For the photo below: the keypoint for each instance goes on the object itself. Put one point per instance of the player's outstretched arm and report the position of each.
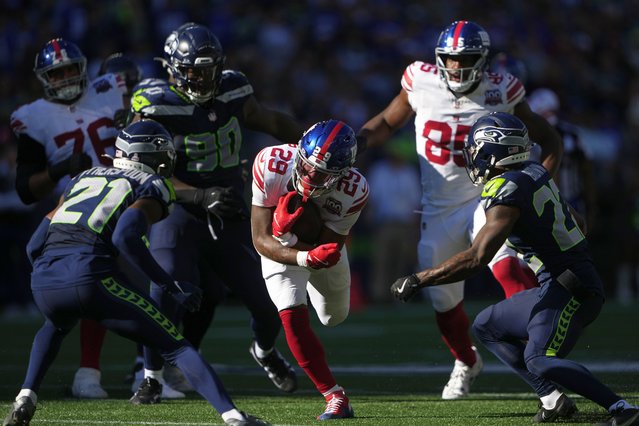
(544, 134)
(499, 223)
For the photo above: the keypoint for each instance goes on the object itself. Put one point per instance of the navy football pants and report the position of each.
(112, 302)
(185, 248)
(534, 330)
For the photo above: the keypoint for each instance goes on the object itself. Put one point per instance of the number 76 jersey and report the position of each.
(339, 209)
(442, 123)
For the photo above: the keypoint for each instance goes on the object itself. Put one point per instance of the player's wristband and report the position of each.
(287, 240)
(301, 258)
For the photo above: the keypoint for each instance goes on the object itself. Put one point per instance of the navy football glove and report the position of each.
(186, 294)
(225, 202)
(405, 287)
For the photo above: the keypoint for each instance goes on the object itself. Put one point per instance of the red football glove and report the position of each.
(323, 256)
(283, 221)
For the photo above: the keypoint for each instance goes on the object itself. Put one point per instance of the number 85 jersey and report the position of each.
(442, 123)
(339, 209)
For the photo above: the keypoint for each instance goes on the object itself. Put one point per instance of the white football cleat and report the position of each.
(86, 384)
(461, 378)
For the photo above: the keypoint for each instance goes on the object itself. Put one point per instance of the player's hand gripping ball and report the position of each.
(295, 216)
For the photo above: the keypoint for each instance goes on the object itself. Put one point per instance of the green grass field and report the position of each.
(390, 360)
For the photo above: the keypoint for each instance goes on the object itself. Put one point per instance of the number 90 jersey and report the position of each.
(339, 209)
(94, 201)
(442, 123)
(207, 139)
(546, 233)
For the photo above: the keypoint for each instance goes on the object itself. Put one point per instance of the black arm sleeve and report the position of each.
(31, 159)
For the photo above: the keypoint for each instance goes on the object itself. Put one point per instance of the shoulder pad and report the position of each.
(234, 85)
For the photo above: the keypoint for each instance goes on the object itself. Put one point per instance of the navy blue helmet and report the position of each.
(195, 62)
(61, 85)
(466, 41)
(145, 146)
(325, 154)
(123, 66)
(498, 139)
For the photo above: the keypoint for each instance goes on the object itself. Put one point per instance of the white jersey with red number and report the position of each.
(442, 123)
(86, 125)
(339, 209)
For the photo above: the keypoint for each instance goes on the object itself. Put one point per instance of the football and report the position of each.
(309, 225)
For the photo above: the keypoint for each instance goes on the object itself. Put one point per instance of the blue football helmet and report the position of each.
(195, 63)
(58, 85)
(169, 41)
(145, 146)
(325, 154)
(124, 67)
(468, 43)
(499, 140)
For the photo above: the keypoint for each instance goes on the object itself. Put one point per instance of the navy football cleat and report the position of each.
(564, 409)
(278, 369)
(627, 417)
(149, 392)
(21, 412)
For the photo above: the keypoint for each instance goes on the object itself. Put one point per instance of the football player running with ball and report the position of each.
(445, 100)
(534, 330)
(105, 212)
(319, 171)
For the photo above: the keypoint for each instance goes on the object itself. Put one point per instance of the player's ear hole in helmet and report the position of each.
(496, 140)
(145, 146)
(467, 45)
(61, 67)
(195, 62)
(325, 154)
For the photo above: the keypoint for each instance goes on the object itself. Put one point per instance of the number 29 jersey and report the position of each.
(339, 209)
(442, 123)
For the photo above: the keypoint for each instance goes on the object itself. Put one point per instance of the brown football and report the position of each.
(309, 226)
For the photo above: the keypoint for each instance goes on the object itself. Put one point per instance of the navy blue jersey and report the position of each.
(207, 139)
(93, 202)
(546, 233)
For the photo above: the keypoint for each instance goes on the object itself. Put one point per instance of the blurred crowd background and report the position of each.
(344, 59)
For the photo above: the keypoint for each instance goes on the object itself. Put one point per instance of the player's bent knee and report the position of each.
(334, 318)
(482, 327)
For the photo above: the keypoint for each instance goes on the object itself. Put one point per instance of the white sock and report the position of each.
(233, 414)
(335, 388)
(261, 353)
(549, 401)
(620, 405)
(155, 374)
(29, 393)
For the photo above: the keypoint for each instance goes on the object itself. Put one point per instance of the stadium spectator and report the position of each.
(393, 216)
(207, 238)
(76, 274)
(445, 99)
(67, 131)
(311, 265)
(533, 331)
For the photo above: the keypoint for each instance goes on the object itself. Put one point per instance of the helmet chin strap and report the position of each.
(126, 164)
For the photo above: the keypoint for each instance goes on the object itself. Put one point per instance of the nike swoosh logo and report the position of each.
(401, 289)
